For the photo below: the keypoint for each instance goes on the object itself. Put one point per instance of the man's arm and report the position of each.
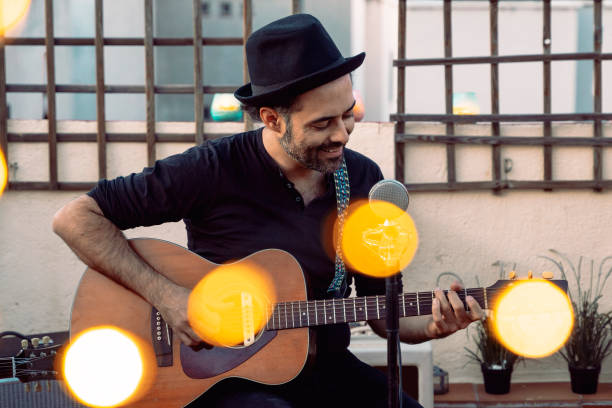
(447, 316)
(103, 247)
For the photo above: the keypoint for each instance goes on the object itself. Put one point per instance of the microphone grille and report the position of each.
(391, 191)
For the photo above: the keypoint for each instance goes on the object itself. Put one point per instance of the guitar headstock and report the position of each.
(498, 287)
(36, 360)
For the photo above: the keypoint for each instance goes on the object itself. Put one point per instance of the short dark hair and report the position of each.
(284, 107)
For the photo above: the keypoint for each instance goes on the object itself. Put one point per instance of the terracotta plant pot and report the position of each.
(584, 380)
(496, 380)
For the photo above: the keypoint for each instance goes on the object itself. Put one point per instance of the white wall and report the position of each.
(460, 232)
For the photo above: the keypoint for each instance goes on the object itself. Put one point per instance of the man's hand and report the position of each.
(173, 307)
(449, 314)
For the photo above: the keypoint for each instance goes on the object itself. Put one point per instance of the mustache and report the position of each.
(331, 145)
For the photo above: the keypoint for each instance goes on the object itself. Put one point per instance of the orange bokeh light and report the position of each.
(533, 318)
(231, 304)
(378, 239)
(11, 12)
(3, 173)
(108, 367)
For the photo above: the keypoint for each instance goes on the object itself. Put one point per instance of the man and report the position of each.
(269, 188)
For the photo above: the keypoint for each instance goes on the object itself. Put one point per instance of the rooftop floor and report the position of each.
(544, 394)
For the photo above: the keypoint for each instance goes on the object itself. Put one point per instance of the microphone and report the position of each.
(391, 191)
(394, 192)
(388, 240)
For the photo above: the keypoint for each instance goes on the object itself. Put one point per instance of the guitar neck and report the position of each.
(289, 315)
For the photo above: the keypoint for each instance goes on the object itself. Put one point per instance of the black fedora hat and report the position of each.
(291, 56)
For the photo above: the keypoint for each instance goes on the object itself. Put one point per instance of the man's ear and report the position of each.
(271, 119)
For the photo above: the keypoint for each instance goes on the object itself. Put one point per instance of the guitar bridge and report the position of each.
(161, 337)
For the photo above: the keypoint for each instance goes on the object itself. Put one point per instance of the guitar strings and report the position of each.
(425, 299)
(19, 360)
(341, 305)
(327, 304)
(369, 305)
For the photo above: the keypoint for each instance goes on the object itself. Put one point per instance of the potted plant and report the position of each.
(591, 339)
(496, 361)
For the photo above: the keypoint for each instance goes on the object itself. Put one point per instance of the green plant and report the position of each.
(591, 339)
(489, 351)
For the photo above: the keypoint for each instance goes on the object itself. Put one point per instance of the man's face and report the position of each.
(318, 130)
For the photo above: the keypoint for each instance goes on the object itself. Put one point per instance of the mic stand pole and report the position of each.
(393, 289)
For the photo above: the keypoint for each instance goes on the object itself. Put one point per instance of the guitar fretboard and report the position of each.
(289, 315)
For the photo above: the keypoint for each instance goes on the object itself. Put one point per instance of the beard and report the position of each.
(308, 156)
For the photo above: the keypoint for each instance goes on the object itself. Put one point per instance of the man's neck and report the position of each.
(309, 183)
(291, 168)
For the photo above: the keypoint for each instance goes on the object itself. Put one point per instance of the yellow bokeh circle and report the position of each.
(533, 318)
(105, 367)
(379, 239)
(231, 302)
(3, 173)
(11, 12)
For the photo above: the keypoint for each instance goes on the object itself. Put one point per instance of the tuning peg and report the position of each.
(547, 275)
(37, 387)
(530, 274)
(512, 275)
(35, 341)
(24, 344)
(46, 340)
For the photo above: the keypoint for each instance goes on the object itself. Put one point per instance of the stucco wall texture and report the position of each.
(462, 232)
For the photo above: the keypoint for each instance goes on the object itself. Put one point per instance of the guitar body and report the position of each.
(101, 301)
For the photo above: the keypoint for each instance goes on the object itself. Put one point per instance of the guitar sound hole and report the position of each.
(202, 345)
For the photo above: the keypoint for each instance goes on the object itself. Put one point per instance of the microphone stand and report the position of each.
(393, 289)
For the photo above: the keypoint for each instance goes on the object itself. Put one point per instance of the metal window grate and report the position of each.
(100, 89)
(547, 141)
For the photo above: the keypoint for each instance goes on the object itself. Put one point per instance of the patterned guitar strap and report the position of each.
(338, 285)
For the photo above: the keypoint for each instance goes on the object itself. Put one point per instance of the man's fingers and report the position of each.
(476, 312)
(188, 337)
(461, 315)
(456, 286)
(438, 318)
(193, 335)
(445, 307)
(186, 340)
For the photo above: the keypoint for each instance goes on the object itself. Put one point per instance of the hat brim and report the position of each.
(299, 85)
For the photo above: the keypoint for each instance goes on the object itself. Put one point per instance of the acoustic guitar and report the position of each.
(279, 352)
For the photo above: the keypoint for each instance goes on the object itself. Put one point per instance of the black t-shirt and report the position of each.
(234, 201)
